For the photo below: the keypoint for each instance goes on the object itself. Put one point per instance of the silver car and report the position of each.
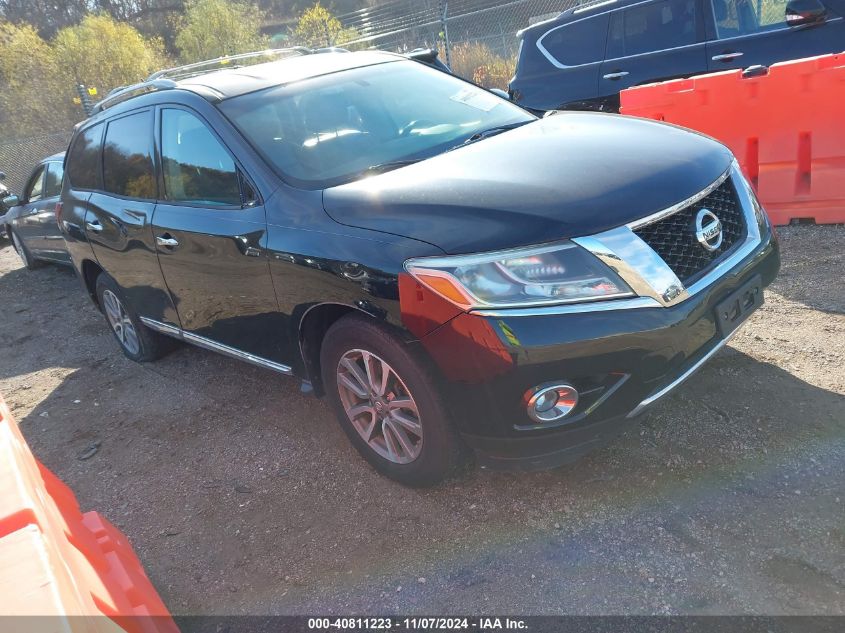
(31, 218)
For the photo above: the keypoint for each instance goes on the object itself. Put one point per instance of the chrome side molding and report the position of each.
(214, 346)
(163, 328)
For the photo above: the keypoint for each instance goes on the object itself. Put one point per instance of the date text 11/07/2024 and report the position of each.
(417, 624)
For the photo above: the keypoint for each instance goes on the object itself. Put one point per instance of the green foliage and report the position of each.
(28, 75)
(213, 28)
(317, 27)
(476, 62)
(103, 53)
(38, 79)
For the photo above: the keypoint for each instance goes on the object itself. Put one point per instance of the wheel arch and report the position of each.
(90, 270)
(312, 328)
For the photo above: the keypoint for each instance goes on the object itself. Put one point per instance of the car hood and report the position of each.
(568, 175)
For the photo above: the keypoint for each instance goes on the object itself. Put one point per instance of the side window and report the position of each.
(84, 159)
(196, 167)
(744, 17)
(578, 43)
(35, 186)
(53, 181)
(653, 27)
(127, 161)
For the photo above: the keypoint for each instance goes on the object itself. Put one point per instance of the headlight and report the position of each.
(553, 274)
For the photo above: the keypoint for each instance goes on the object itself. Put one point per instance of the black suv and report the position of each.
(584, 57)
(448, 269)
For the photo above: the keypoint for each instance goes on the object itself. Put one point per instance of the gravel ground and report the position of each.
(729, 497)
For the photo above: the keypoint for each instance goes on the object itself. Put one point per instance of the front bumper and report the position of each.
(623, 360)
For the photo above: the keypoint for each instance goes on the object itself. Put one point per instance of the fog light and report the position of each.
(546, 401)
(551, 402)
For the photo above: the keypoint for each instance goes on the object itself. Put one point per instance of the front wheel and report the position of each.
(386, 399)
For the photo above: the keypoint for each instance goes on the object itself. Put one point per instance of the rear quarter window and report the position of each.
(83, 162)
(581, 42)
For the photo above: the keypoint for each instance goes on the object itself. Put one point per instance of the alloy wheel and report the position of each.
(120, 322)
(380, 406)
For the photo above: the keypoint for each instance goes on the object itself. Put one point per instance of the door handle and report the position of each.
(167, 241)
(726, 57)
(94, 226)
(617, 75)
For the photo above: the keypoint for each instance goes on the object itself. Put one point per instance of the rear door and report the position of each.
(653, 41)
(211, 236)
(27, 224)
(117, 221)
(745, 33)
(53, 243)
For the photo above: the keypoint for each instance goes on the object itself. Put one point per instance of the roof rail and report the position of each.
(590, 4)
(226, 61)
(166, 79)
(119, 95)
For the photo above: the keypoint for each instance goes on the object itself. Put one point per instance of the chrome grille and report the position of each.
(673, 237)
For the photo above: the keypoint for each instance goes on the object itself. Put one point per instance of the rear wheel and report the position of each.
(29, 262)
(386, 399)
(138, 342)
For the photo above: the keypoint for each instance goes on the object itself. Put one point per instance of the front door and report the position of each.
(53, 243)
(751, 32)
(653, 41)
(211, 236)
(28, 226)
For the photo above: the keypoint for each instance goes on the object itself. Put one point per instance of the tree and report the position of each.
(317, 28)
(28, 81)
(213, 28)
(104, 54)
(47, 16)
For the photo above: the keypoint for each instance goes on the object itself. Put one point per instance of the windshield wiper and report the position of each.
(490, 132)
(393, 164)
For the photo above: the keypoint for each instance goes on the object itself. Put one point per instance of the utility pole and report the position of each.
(444, 23)
(84, 99)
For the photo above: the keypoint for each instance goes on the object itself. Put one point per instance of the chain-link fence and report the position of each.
(403, 25)
(19, 156)
(477, 38)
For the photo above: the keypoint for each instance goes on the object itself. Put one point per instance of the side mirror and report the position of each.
(500, 93)
(11, 201)
(805, 12)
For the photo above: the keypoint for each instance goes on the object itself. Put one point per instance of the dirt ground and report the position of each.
(729, 497)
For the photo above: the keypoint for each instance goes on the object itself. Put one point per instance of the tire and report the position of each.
(29, 262)
(437, 451)
(136, 340)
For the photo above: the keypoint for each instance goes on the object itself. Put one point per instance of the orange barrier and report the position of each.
(56, 561)
(785, 128)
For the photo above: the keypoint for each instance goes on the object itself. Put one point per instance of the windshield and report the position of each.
(336, 128)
